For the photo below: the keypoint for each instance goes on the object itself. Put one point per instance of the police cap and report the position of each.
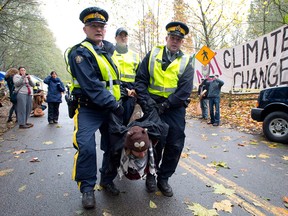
(177, 28)
(119, 30)
(94, 14)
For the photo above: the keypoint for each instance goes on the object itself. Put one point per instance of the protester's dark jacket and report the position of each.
(55, 89)
(10, 84)
(214, 88)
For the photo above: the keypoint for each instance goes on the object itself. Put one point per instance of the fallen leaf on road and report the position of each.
(22, 188)
(220, 189)
(98, 187)
(214, 134)
(152, 204)
(251, 156)
(19, 152)
(5, 172)
(220, 164)
(241, 144)
(35, 159)
(263, 155)
(60, 173)
(184, 155)
(253, 142)
(106, 213)
(224, 205)
(285, 199)
(158, 193)
(48, 143)
(274, 145)
(285, 157)
(199, 210)
(226, 138)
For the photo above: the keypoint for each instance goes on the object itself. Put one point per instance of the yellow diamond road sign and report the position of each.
(205, 55)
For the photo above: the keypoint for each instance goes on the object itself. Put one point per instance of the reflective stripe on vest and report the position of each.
(164, 83)
(127, 65)
(74, 83)
(108, 73)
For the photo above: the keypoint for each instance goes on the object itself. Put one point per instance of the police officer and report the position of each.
(97, 90)
(165, 81)
(128, 63)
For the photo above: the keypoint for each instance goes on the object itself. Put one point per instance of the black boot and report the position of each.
(88, 200)
(164, 187)
(150, 183)
(110, 188)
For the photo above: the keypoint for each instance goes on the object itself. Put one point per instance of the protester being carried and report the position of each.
(137, 157)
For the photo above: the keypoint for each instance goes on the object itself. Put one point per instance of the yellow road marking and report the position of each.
(239, 190)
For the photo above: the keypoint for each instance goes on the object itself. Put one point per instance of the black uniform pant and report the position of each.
(168, 154)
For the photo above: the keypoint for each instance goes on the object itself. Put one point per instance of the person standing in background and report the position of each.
(54, 96)
(9, 79)
(24, 86)
(202, 93)
(214, 85)
(128, 63)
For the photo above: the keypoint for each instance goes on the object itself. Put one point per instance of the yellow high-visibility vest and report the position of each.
(109, 75)
(127, 65)
(164, 83)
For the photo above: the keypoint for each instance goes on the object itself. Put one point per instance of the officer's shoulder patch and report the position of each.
(78, 59)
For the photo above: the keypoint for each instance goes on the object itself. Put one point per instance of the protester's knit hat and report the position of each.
(137, 139)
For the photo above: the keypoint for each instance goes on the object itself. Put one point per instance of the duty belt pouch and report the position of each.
(72, 105)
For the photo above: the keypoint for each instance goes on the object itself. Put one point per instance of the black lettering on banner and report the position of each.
(265, 49)
(274, 75)
(254, 79)
(243, 51)
(285, 39)
(234, 60)
(252, 49)
(275, 41)
(262, 78)
(226, 55)
(283, 70)
(246, 82)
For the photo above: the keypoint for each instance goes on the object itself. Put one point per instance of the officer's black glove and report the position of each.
(118, 111)
(162, 107)
(186, 102)
(123, 91)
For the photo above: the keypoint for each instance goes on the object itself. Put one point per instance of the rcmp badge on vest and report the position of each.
(78, 59)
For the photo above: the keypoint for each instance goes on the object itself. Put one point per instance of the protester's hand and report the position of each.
(119, 110)
(162, 107)
(131, 93)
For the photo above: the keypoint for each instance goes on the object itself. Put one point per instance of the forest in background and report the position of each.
(26, 40)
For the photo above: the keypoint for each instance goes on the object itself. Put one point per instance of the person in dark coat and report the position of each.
(9, 79)
(54, 96)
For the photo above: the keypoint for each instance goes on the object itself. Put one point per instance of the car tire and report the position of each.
(275, 127)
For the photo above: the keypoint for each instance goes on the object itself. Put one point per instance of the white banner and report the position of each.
(251, 66)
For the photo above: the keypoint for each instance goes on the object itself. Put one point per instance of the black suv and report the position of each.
(272, 110)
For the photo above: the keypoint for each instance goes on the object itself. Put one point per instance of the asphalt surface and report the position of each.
(252, 171)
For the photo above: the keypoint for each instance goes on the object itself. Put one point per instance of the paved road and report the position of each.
(256, 178)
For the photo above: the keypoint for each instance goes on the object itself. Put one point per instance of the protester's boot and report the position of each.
(150, 183)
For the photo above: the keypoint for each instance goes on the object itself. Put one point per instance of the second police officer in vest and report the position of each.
(97, 87)
(165, 81)
(128, 64)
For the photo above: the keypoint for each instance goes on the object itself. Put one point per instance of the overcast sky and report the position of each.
(63, 20)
